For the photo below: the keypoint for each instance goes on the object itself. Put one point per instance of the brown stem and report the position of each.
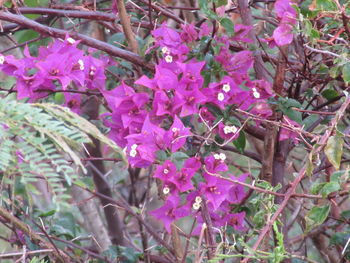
(123, 204)
(164, 12)
(247, 20)
(68, 13)
(125, 21)
(210, 237)
(59, 255)
(98, 170)
(291, 191)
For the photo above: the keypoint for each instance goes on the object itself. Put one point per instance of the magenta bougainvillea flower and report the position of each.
(182, 179)
(166, 171)
(236, 192)
(283, 35)
(169, 212)
(142, 146)
(215, 164)
(228, 132)
(188, 33)
(215, 190)
(286, 134)
(242, 33)
(235, 220)
(176, 136)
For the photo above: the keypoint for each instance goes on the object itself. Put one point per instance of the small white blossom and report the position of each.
(222, 156)
(168, 59)
(256, 94)
(217, 156)
(230, 129)
(221, 96)
(166, 190)
(70, 40)
(81, 64)
(165, 50)
(227, 129)
(175, 129)
(133, 153)
(92, 71)
(2, 59)
(198, 199)
(165, 171)
(226, 87)
(196, 206)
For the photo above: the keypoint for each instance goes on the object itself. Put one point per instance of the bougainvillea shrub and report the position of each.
(227, 124)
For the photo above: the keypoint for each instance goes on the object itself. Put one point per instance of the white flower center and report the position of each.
(175, 129)
(222, 156)
(226, 87)
(198, 199)
(2, 59)
(217, 156)
(133, 153)
(230, 129)
(81, 64)
(70, 40)
(168, 59)
(92, 71)
(256, 94)
(196, 206)
(221, 96)
(166, 190)
(165, 171)
(165, 50)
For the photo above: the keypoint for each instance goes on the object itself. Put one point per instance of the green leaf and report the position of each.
(82, 124)
(326, 5)
(316, 216)
(204, 5)
(227, 24)
(48, 213)
(316, 188)
(334, 150)
(286, 105)
(240, 142)
(178, 159)
(329, 188)
(330, 94)
(59, 98)
(220, 2)
(346, 73)
(161, 155)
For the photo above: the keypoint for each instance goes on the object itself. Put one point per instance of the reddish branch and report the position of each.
(59, 255)
(91, 15)
(247, 20)
(91, 42)
(291, 191)
(164, 12)
(125, 21)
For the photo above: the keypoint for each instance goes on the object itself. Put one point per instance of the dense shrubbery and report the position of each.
(236, 120)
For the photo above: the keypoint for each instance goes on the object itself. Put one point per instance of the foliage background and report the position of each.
(70, 200)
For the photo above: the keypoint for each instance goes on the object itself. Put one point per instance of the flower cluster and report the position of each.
(57, 66)
(220, 195)
(163, 113)
(155, 115)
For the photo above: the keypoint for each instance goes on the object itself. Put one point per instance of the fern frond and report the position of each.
(42, 141)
